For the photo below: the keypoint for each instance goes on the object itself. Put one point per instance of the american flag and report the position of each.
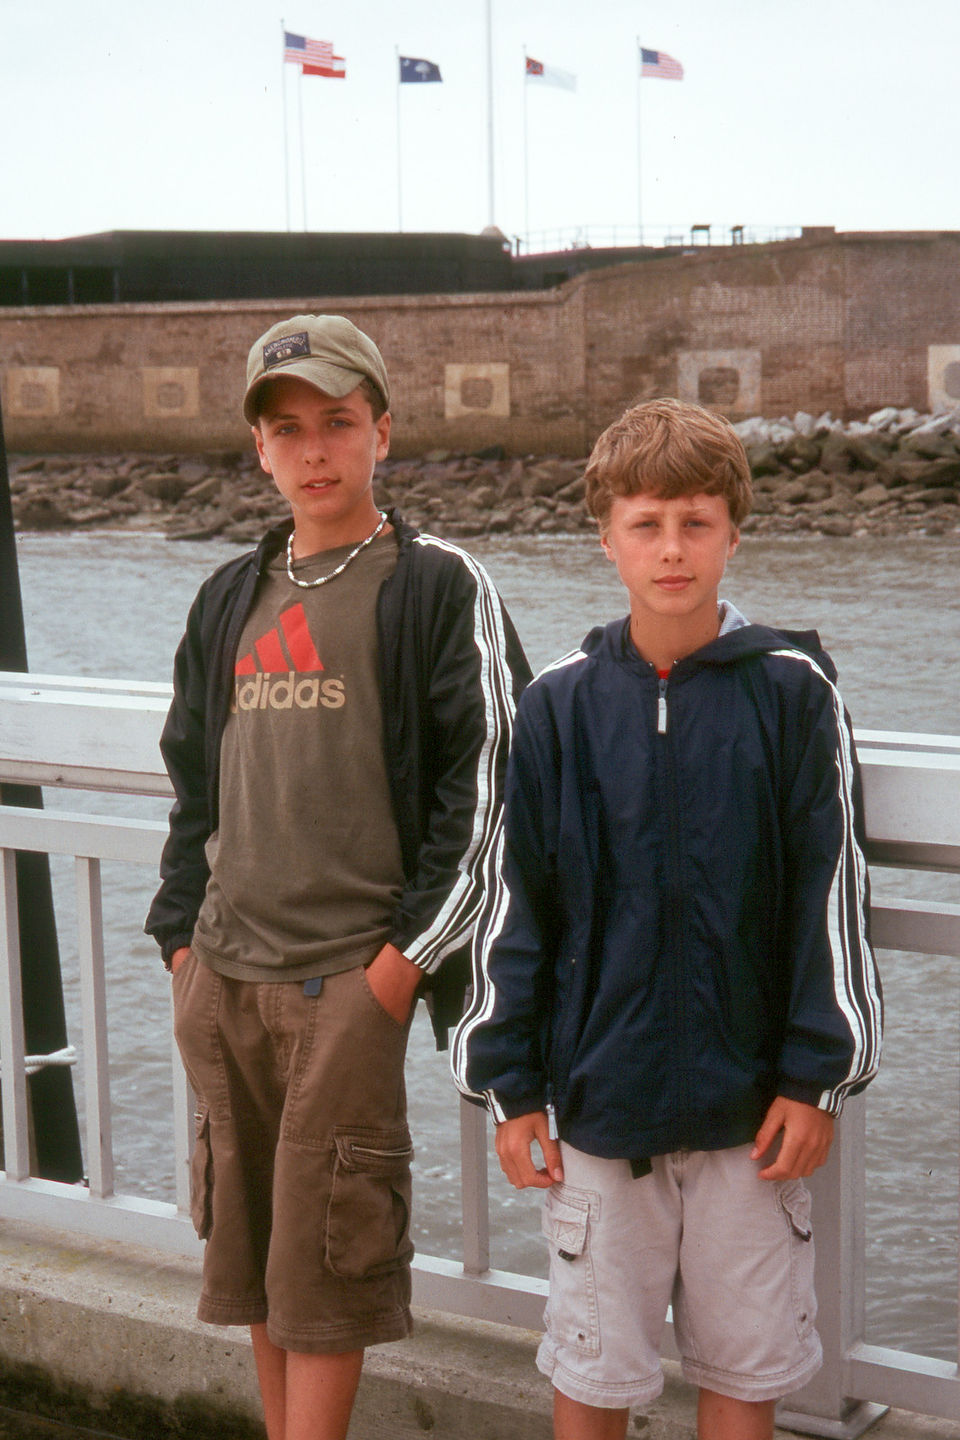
(301, 50)
(657, 65)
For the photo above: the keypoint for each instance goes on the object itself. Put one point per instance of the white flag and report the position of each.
(550, 75)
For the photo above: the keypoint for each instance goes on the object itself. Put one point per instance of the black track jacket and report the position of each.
(451, 669)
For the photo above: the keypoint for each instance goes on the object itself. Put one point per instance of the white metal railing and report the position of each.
(101, 735)
(670, 237)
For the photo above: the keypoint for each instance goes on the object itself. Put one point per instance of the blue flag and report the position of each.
(418, 72)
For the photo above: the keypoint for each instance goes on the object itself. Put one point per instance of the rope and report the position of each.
(33, 1063)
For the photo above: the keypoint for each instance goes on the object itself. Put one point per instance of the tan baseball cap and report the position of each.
(325, 350)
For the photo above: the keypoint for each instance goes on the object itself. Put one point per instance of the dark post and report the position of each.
(52, 1105)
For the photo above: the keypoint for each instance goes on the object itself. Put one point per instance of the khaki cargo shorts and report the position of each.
(300, 1178)
(732, 1253)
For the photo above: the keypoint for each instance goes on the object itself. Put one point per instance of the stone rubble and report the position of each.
(897, 472)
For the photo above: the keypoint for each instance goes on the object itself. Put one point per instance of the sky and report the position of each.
(182, 116)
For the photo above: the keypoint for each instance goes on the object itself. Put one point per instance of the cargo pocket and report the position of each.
(571, 1315)
(201, 1174)
(795, 1204)
(368, 1222)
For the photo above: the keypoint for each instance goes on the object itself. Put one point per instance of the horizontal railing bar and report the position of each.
(903, 1380)
(928, 927)
(438, 1284)
(100, 837)
(83, 777)
(496, 1295)
(897, 740)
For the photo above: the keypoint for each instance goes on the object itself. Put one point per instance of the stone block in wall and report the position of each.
(728, 381)
(170, 392)
(32, 392)
(476, 388)
(943, 376)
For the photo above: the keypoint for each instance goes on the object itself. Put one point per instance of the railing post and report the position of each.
(93, 1000)
(16, 1144)
(475, 1202)
(184, 1105)
(839, 1223)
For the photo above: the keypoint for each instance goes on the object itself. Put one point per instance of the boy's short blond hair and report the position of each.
(668, 448)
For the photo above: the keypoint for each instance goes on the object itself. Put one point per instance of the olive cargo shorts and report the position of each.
(300, 1178)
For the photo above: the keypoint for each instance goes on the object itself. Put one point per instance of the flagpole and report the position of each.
(639, 63)
(490, 192)
(303, 159)
(526, 157)
(399, 148)
(283, 103)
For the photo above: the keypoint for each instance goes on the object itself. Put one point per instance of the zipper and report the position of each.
(552, 1131)
(662, 708)
(675, 927)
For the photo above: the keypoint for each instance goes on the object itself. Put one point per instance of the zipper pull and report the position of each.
(662, 709)
(552, 1131)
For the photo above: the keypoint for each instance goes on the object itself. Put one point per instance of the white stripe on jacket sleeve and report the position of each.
(453, 925)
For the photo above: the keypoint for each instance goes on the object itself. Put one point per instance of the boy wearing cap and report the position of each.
(343, 699)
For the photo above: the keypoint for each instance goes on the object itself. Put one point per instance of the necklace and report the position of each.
(312, 584)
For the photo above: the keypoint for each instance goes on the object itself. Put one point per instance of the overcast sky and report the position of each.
(120, 116)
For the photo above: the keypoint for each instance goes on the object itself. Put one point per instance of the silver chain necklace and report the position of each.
(312, 584)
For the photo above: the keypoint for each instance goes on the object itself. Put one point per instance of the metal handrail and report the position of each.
(56, 728)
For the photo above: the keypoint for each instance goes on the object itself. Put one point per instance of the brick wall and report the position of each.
(841, 323)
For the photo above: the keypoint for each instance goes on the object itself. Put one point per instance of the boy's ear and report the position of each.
(261, 453)
(734, 540)
(383, 435)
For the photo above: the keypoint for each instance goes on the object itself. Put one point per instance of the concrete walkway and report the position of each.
(105, 1336)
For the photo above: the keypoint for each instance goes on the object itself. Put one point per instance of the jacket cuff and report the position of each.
(173, 943)
(809, 1094)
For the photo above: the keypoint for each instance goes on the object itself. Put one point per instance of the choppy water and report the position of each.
(888, 610)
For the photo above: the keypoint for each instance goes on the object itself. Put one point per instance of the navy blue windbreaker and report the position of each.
(680, 929)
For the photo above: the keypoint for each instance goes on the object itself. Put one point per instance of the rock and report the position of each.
(834, 525)
(164, 485)
(39, 512)
(791, 493)
(930, 444)
(873, 495)
(763, 459)
(207, 489)
(104, 484)
(883, 419)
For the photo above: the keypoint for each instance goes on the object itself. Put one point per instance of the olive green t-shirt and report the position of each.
(305, 868)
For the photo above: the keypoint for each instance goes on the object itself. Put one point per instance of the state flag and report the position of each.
(418, 72)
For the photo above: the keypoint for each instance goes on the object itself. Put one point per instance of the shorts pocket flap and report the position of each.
(374, 1150)
(564, 1222)
(797, 1206)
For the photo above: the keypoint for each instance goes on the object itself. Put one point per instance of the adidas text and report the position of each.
(287, 692)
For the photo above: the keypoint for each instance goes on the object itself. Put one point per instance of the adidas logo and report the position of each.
(267, 677)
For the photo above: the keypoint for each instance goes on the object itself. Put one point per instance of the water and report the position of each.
(888, 610)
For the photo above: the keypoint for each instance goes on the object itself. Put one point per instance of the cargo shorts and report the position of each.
(300, 1174)
(731, 1252)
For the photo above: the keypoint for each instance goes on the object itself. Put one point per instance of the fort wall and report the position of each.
(843, 323)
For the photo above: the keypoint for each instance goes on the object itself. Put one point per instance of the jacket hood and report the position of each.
(738, 640)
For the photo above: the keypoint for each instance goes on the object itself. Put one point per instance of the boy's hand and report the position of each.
(178, 957)
(806, 1136)
(514, 1139)
(394, 980)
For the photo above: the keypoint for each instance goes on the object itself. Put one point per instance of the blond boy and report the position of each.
(678, 993)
